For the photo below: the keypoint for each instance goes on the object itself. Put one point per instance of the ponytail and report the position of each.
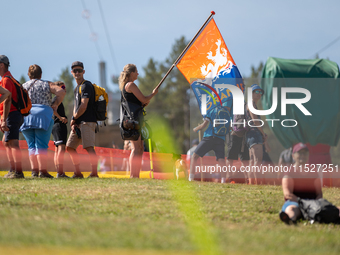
(125, 75)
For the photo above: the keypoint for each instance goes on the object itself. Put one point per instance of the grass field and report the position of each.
(145, 216)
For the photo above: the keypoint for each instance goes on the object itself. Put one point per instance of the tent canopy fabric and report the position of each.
(321, 78)
(300, 68)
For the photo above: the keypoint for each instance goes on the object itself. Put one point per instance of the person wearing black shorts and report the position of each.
(237, 149)
(208, 143)
(11, 120)
(59, 132)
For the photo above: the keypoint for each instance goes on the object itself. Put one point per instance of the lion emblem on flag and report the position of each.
(220, 61)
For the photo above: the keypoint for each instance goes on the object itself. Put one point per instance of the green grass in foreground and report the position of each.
(143, 215)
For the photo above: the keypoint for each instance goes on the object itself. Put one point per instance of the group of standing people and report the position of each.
(38, 126)
(249, 148)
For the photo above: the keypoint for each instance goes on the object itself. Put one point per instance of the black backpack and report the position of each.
(101, 99)
(131, 119)
(319, 210)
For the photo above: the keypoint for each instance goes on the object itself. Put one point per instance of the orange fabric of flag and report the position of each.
(207, 55)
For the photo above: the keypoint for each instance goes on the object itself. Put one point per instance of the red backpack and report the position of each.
(23, 103)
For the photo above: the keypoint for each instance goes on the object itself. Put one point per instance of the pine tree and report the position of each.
(22, 79)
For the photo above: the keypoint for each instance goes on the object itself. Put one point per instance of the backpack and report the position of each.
(101, 100)
(319, 210)
(131, 120)
(241, 128)
(221, 113)
(23, 103)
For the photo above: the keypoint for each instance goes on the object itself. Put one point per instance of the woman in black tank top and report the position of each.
(130, 97)
(132, 94)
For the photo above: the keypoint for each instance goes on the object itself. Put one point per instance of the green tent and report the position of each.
(321, 78)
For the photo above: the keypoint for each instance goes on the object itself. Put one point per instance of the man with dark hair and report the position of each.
(83, 123)
(11, 120)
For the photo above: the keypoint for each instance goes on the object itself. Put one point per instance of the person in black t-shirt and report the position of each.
(84, 122)
(59, 132)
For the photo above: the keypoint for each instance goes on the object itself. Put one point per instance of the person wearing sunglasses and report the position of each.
(255, 137)
(84, 121)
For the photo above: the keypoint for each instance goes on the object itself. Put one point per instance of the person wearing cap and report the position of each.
(298, 184)
(37, 126)
(11, 120)
(255, 136)
(84, 121)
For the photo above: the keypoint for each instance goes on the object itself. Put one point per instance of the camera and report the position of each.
(130, 124)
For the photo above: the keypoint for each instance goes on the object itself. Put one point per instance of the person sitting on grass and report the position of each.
(299, 184)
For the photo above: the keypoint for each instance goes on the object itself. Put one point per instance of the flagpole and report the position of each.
(199, 140)
(183, 52)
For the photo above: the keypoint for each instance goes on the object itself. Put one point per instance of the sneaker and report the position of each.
(9, 174)
(35, 174)
(93, 176)
(45, 175)
(285, 218)
(17, 175)
(63, 175)
(78, 176)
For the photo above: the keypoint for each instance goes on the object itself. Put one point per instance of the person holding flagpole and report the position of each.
(132, 94)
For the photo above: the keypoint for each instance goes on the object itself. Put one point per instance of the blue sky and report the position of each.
(53, 34)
